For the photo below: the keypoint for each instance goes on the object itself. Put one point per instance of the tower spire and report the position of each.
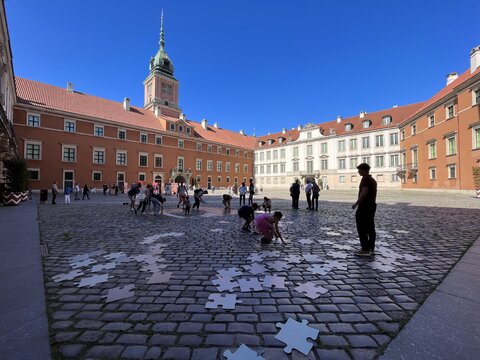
(162, 35)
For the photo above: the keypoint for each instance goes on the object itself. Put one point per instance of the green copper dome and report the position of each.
(161, 62)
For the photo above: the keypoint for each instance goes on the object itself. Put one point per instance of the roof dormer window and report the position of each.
(386, 120)
(261, 143)
(270, 141)
(348, 127)
(366, 124)
(280, 140)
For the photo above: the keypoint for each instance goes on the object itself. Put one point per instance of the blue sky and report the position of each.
(250, 64)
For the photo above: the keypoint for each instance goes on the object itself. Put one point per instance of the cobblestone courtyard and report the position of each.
(367, 300)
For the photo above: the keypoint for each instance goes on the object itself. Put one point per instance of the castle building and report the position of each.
(440, 142)
(71, 137)
(330, 152)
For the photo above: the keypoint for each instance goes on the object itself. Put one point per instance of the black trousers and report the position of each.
(309, 201)
(197, 203)
(365, 218)
(242, 198)
(315, 202)
(54, 197)
(295, 198)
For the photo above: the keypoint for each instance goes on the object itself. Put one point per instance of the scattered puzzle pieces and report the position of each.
(229, 273)
(255, 257)
(274, 280)
(319, 269)
(338, 254)
(93, 280)
(335, 264)
(114, 255)
(311, 290)
(247, 285)
(242, 353)
(68, 276)
(159, 277)
(295, 334)
(255, 268)
(106, 266)
(120, 292)
(225, 284)
(279, 265)
(312, 258)
(83, 263)
(226, 301)
(295, 259)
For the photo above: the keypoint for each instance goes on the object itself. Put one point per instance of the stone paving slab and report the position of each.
(363, 309)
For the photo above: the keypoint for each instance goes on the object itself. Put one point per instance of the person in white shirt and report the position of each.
(242, 190)
(308, 193)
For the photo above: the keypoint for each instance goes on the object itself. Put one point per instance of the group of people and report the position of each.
(312, 192)
(142, 197)
(68, 192)
(266, 224)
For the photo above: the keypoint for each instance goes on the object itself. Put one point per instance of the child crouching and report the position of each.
(267, 204)
(267, 225)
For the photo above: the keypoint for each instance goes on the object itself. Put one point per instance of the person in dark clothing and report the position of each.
(365, 215)
(197, 196)
(248, 214)
(54, 192)
(132, 193)
(86, 190)
(227, 200)
(105, 189)
(315, 195)
(295, 193)
(251, 192)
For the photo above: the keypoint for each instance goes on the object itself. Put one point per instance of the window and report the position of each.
(189, 130)
(451, 145)
(96, 176)
(98, 130)
(476, 97)
(431, 120)
(432, 150)
(324, 164)
(180, 164)
(219, 166)
(69, 153)
(245, 168)
(33, 174)
(378, 140)
(324, 148)
(341, 145)
(227, 180)
(275, 154)
(366, 160)
(245, 154)
(395, 178)
(143, 138)
(219, 149)
(394, 139)
(282, 153)
(341, 164)
(433, 173)
(198, 146)
(262, 168)
(237, 152)
(295, 166)
(142, 159)
(394, 160)
(209, 148)
(476, 137)
(122, 134)
(33, 151)
(402, 135)
(142, 177)
(158, 140)
(452, 171)
(415, 177)
(282, 168)
(309, 149)
(198, 165)
(227, 151)
(99, 156)
(158, 161)
(268, 155)
(181, 143)
(69, 125)
(209, 165)
(365, 142)
(121, 157)
(255, 170)
(414, 158)
(450, 111)
(386, 120)
(33, 120)
(269, 169)
(348, 127)
(262, 156)
(341, 178)
(309, 135)
(366, 124)
(353, 144)
(309, 167)
(353, 163)
(275, 169)
(227, 167)
(379, 161)
(180, 128)
(172, 127)
(295, 151)
(413, 129)
(237, 167)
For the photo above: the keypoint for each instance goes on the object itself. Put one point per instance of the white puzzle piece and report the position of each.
(409, 257)
(78, 258)
(230, 272)
(278, 265)
(68, 276)
(338, 254)
(295, 335)
(311, 290)
(305, 241)
(83, 263)
(159, 277)
(333, 233)
(255, 268)
(106, 266)
(93, 280)
(335, 264)
(319, 269)
(312, 258)
(114, 255)
(342, 247)
(251, 284)
(242, 353)
(273, 280)
(225, 284)
(294, 259)
(120, 292)
(226, 301)
(255, 257)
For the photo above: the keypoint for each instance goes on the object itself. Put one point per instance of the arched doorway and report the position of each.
(180, 179)
(158, 180)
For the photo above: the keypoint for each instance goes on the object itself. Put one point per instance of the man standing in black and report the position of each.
(365, 215)
(295, 193)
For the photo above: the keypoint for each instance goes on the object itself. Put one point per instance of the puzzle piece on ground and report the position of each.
(274, 280)
(305, 241)
(255, 268)
(226, 301)
(225, 284)
(312, 258)
(216, 230)
(78, 258)
(325, 228)
(279, 265)
(114, 255)
(311, 290)
(333, 233)
(409, 257)
(119, 293)
(342, 247)
(319, 269)
(68, 276)
(159, 277)
(346, 231)
(295, 259)
(335, 264)
(156, 249)
(247, 285)
(93, 280)
(402, 231)
(153, 268)
(295, 335)
(269, 253)
(122, 259)
(338, 254)
(229, 273)
(83, 263)
(388, 253)
(242, 353)
(382, 267)
(106, 266)
(255, 257)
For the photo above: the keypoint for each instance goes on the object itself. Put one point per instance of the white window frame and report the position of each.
(366, 124)
(282, 153)
(366, 141)
(210, 165)
(172, 126)
(342, 164)
(341, 146)
(39, 119)
(181, 144)
(394, 137)
(447, 106)
(432, 145)
(432, 171)
(155, 157)
(379, 161)
(183, 167)
(449, 167)
(237, 168)
(119, 130)
(227, 167)
(198, 164)
(341, 179)
(34, 169)
(309, 150)
(116, 157)
(65, 121)
(140, 174)
(379, 141)
(353, 144)
(158, 143)
(69, 146)
(97, 126)
(198, 146)
(324, 148)
(140, 138)
(93, 155)
(431, 120)
(413, 129)
(474, 93)
(140, 154)
(97, 172)
(475, 133)
(33, 142)
(219, 150)
(447, 148)
(219, 166)
(245, 168)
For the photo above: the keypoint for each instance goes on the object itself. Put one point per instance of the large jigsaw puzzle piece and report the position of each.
(242, 353)
(274, 280)
(68, 276)
(319, 269)
(279, 265)
(120, 292)
(83, 263)
(311, 290)
(93, 280)
(225, 284)
(229, 273)
(255, 268)
(295, 335)
(226, 301)
(160, 278)
(250, 284)
(106, 266)
(294, 259)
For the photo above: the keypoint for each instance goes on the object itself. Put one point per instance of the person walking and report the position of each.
(242, 190)
(308, 193)
(182, 195)
(54, 192)
(67, 193)
(77, 191)
(86, 190)
(251, 192)
(365, 214)
(315, 195)
(295, 193)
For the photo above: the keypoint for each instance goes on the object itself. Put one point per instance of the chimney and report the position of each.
(126, 104)
(451, 77)
(157, 111)
(362, 114)
(475, 59)
(204, 124)
(284, 131)
(182, 116)
(299, 127)
(242, 132)
(339, 119)
(215, 125)
(395, 106)
(70, 87)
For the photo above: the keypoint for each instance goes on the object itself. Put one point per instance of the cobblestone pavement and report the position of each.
(367, 300)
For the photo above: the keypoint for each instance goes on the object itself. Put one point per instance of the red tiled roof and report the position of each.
(290, 135)
(52, 97)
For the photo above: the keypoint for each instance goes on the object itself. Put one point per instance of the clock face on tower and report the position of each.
(166, 89)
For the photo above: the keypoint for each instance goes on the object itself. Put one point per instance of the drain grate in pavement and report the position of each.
(44, 249)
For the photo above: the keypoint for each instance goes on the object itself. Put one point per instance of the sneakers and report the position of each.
(265, 241)
(362, 253)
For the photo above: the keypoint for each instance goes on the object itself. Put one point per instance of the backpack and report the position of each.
(315, 189)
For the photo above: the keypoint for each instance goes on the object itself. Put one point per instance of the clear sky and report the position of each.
(250, 64)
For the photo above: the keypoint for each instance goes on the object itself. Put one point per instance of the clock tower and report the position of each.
(161, 87)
